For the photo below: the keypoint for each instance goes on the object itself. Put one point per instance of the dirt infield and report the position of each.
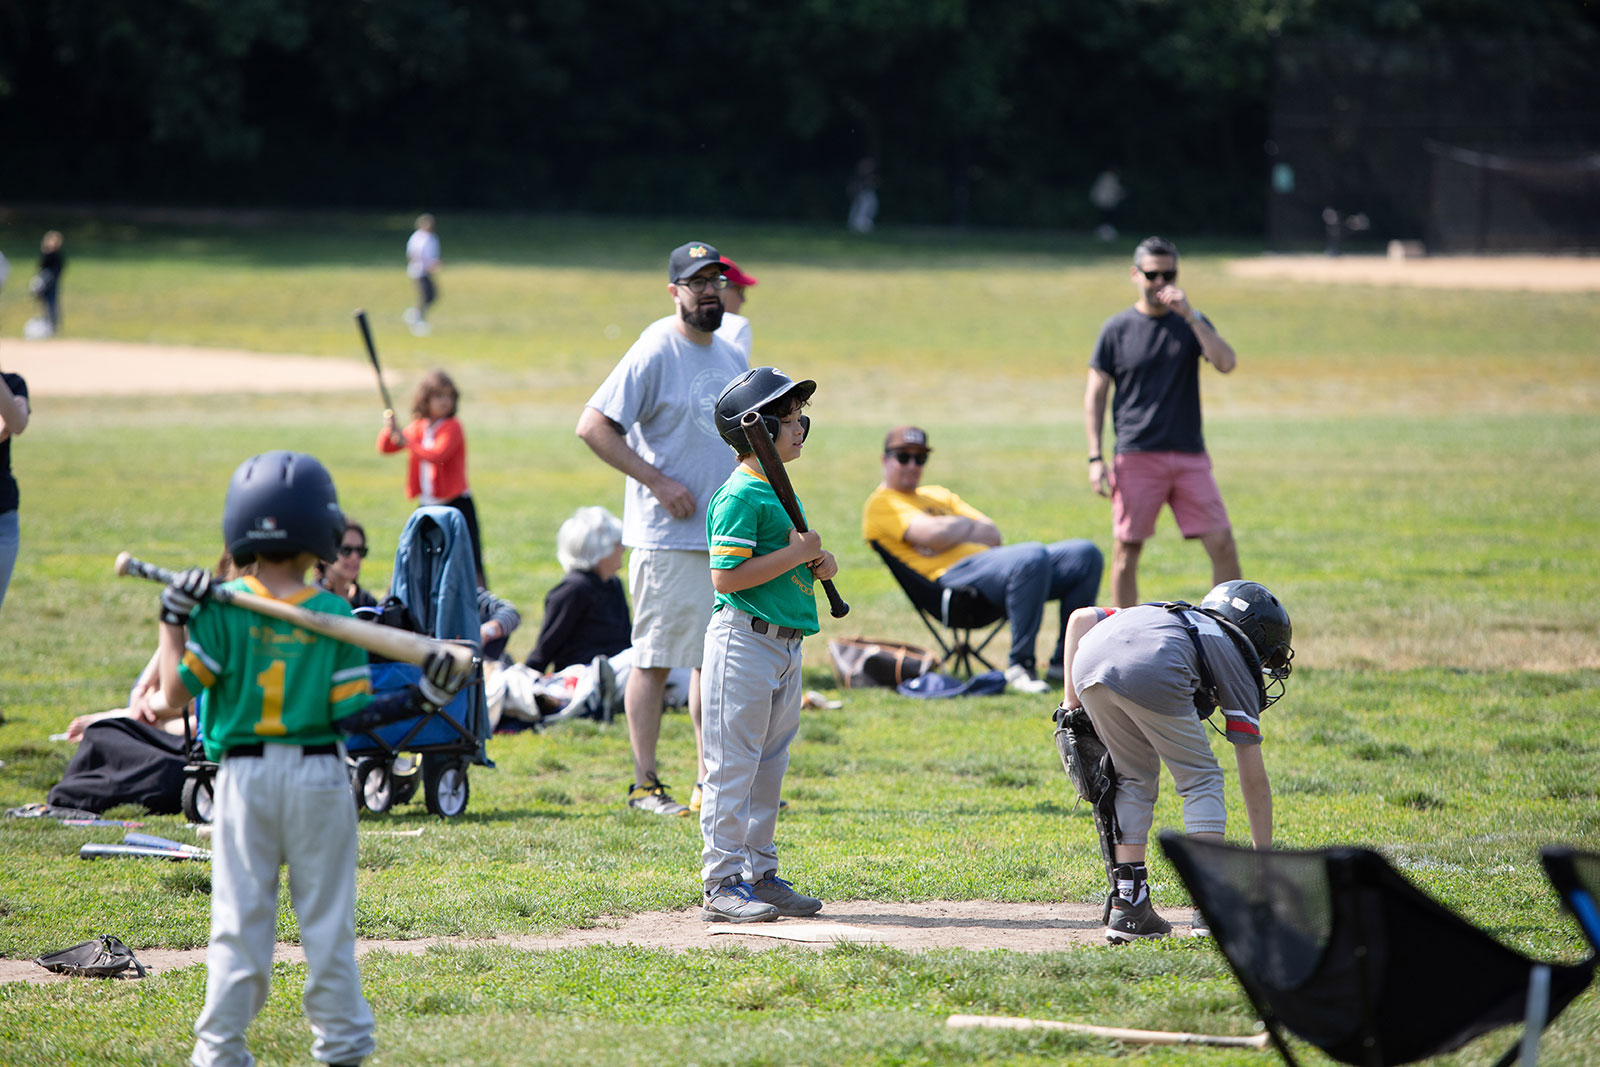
(968, 924)
(1549, 274)
(70, 367)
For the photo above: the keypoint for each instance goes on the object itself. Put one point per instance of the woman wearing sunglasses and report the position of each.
(341, 576)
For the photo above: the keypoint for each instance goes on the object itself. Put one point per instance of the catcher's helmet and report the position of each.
(751, 391)
(1261, 617)
(282, 502)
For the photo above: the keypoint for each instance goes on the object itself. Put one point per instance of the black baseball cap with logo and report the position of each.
(688, 260)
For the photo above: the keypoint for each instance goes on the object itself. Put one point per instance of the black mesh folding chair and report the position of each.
(960, 610)
(1337, 948)
(1576, 876)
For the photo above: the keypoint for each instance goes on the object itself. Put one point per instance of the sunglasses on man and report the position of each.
(1164, 275)
(919, 458)
(353, 550)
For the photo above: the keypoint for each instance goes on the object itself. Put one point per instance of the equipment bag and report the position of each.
(862, 662)
(104, 957)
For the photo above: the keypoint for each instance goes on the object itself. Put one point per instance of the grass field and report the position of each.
(1415, 472)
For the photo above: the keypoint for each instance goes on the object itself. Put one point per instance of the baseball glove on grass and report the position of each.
(104, 957)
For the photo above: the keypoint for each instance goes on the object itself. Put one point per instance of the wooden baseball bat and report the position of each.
(755, 431)
(386, 641)
(372, 354)
(1115, 1033)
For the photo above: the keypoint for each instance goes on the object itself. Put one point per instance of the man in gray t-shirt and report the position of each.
(1137, 671)
(653, 420)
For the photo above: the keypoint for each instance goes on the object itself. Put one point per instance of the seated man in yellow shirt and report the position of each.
(943, 538)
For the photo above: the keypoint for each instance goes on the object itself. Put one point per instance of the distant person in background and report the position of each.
(1152, 352)
(46, 284)
(735, 327)
(863, 190)
(437, 473)
(422, 263)
(13, 420)
(1106, 194)
(341, 576)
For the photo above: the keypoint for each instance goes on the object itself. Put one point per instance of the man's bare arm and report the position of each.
(935, 533)
(605, 439)
(1094, 421)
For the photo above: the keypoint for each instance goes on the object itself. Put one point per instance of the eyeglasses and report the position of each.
(1164, 275)
(353, 550)
(698, 285)
(919, 458)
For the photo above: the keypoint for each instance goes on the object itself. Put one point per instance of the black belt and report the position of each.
(258, 750)
(763, 627)
(784, 633)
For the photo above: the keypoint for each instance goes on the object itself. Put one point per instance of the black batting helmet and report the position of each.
(754, 390)
(1261, 617)
(282, 502)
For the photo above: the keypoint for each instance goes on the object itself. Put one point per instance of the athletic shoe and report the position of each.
(420, 328)
(411, 316)
(1056, 675)
(1131, 922)
(1198, 927)
(734, 902)
(697, 796)
(653, 797)
(1023, 680)
(781, 895)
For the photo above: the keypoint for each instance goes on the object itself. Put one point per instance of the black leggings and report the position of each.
(463, 504)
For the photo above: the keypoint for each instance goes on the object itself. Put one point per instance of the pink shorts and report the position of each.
(1141, 482)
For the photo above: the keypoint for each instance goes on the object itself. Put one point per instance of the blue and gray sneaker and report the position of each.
(733, 901)
(781, 895)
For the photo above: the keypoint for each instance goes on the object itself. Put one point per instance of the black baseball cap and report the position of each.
(688, 260)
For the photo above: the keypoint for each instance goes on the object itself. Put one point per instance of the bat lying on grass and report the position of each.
(399, 645)
(182, 852)
(1115, 1033)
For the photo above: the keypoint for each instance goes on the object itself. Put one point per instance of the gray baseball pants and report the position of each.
(1140, 740)
(274, 809)
(750, 711)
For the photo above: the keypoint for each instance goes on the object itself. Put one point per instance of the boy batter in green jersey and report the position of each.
(763, 571)
(280, 698)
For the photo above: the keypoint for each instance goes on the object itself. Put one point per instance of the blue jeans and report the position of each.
(1023, 577)
(10, 541)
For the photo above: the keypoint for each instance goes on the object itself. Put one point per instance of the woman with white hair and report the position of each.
(586, 614)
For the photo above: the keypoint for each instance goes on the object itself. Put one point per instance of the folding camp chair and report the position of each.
(961, 610)
(1576, 876)
(1337, 948)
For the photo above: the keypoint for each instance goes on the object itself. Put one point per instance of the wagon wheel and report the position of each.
(445, 785)
(374, 784)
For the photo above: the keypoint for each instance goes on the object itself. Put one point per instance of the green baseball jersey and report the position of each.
(745, 519)
(269, 680)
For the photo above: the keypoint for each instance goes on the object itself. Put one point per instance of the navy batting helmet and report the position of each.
(282, 502)
(754, 390)
(1261, 617)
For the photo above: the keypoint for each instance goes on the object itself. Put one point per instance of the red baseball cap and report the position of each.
(735, 275)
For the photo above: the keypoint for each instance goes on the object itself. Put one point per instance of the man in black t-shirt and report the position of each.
(1152, 353)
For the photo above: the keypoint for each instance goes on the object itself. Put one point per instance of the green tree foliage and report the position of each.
(996, 112)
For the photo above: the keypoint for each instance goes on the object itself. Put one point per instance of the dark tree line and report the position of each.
(997, 112)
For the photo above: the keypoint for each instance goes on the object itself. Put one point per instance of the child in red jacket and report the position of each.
(437, 473)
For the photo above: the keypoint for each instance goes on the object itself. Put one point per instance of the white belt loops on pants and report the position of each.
(743, 620)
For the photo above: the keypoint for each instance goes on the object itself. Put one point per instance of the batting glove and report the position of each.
(186, 589)
(439, 682)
